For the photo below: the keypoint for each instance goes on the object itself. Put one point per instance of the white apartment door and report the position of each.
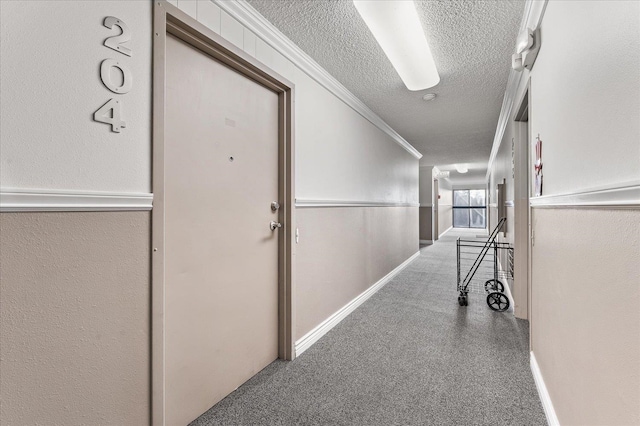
(221, 255)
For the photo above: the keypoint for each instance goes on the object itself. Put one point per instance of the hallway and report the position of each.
(194, 192)
(408, 356)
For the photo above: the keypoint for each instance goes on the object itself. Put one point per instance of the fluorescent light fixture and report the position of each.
(396, 27)
(462, 168)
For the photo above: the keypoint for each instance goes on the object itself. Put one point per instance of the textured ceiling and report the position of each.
(471, 41)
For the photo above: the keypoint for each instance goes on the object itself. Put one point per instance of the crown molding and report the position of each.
(252, 20)
(44, 200)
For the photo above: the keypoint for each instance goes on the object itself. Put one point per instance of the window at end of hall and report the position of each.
(469, 208)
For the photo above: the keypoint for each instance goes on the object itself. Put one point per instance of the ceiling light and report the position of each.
(429, 97)
(462, 168)
(397, 29)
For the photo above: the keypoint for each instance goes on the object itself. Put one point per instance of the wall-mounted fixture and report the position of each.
(442, 175)
(527, 48)
(462, 168)
(429, 97)
(396, 27)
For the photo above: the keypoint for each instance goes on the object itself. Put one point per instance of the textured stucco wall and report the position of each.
(341, 156)
(337, 263)
(74, 323)
(50, 77)
(586, 95)
(49, 140)
(585, 321)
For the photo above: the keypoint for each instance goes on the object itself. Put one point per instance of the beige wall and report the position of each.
(585, 325)
(339, 262)
(74, 323)
(426, 223)
(426, 203)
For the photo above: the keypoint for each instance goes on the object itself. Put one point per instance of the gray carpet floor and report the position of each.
(408, 356)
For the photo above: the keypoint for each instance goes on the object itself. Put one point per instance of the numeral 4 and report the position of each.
(110, 113)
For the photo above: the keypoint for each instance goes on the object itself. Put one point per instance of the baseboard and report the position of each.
(447, 230)
(428, 242)
(314, 335)
(547, 406)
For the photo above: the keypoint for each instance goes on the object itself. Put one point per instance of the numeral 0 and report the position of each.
(105, 75)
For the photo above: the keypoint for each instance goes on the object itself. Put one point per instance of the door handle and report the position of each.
(273, 225)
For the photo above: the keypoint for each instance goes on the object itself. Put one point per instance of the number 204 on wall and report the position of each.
(111, 112)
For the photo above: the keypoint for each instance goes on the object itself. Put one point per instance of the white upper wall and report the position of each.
(585, 95)
(50, 77)
(342, 156)
(51, 55)
(426, 186)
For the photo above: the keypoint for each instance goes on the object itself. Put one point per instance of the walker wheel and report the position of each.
(493, 285)
(462, 300)
(498, 301)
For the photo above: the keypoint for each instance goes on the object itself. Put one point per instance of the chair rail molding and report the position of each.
(45, 200)
(309, 203)
(622, 195)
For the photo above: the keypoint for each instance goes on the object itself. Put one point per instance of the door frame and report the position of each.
(436, 210)
(522, 195)
(168, 19)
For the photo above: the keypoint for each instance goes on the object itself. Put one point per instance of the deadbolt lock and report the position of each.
(275, 206)
(273, 225)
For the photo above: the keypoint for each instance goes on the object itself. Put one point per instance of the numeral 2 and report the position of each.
(110, 113)
(115, 42)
